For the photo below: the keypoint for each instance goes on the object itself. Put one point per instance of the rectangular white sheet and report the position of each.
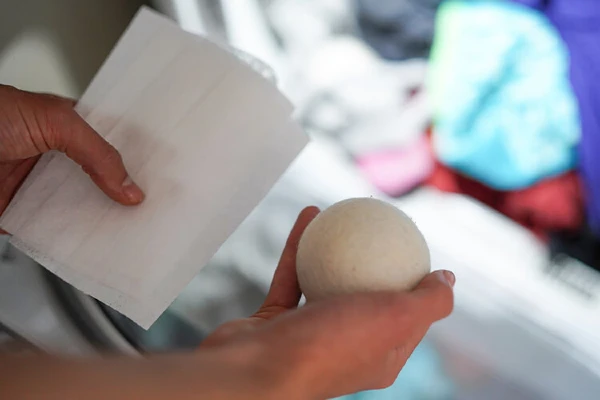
(203, 134)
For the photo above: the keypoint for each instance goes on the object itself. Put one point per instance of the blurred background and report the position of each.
(479, 118)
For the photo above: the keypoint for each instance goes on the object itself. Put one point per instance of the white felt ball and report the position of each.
(360, 245)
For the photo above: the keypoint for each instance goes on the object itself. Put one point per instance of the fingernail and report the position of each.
(448, 277)
(132, 191)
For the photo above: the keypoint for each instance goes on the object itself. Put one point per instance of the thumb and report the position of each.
(434, 296)
(284, 293)
(101, 161)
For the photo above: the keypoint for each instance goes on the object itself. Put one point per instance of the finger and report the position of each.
(410, 314)
(383, 321)
(434, 297)
(399, 322)
(432, 300)
(373, 333)
(53, 97)
(285, 292)
(101, 161)
(12, 176)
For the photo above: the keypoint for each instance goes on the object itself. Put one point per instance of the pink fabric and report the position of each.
(396, 171)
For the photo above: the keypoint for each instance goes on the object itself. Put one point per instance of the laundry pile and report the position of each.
(515, 111)
(508, 107)
(516, 120)
(506, 121)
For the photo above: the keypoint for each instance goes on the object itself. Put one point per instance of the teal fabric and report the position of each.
(504, 110)
(422, 378)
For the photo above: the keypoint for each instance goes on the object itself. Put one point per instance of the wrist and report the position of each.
(235, 372)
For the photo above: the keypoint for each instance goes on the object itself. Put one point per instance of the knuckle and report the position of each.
(111, 155)
(396, 359)
(389, 370)
(98, 167)
(385, 380)
(268, 312)
(55, 121)
(47, 118)
(108, 156)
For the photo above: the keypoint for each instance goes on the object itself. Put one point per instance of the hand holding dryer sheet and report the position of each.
(202, 133)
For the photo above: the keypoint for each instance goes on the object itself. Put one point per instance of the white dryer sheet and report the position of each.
(201, 132)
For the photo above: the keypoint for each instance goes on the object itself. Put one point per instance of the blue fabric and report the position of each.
(505, 113)
(422, 378)
(578, 22)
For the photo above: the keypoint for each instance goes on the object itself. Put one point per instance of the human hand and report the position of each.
(32, 124)
(333, 347)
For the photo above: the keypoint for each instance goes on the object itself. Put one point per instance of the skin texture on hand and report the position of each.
(340, 346)
(325, 349)
(32, 124)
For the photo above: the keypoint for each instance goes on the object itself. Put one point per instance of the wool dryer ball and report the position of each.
(360, 245)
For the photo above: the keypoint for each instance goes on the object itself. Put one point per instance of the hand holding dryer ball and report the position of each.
(360, 245)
